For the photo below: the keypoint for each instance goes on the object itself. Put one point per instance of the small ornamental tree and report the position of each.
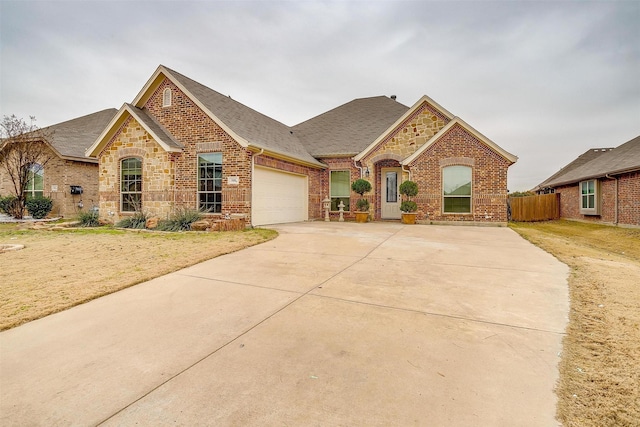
(24, 152)
(409, 189)
(361, 186)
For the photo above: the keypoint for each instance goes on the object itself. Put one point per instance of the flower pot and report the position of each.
(362, 216)
(409, 217)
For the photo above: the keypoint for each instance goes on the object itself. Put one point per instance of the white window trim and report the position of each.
(166, 97)
(342, 197)
(596, 198)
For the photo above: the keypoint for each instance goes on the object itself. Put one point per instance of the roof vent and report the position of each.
(393, 97)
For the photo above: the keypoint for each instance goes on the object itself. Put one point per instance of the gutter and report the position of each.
(615, 216)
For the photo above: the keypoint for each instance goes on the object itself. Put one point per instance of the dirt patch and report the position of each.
(59, 269)
(599, 371)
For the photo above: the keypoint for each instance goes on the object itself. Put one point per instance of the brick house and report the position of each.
(181, 144)
(602, 185)
(67, 166)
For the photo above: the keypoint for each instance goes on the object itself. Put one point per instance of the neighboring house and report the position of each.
(67, 166)
(180, 144)
(601, 185)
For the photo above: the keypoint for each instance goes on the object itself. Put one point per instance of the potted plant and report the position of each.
(408, 207)
(361, 186)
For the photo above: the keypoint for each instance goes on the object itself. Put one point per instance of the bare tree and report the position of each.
(24, 150)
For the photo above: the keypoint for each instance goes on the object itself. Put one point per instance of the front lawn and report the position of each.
(59, 269)
(600, 367)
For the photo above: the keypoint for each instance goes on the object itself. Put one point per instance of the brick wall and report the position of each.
(59, 175)
(628, 201)
(344, 164)
(489, 178)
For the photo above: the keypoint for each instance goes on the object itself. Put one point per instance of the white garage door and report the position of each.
(279, 197)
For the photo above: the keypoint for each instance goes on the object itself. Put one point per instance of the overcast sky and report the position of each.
(544, 80)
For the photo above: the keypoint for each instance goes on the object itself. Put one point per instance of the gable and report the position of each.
(246, 126)
(459, 124)
(414, 128)
(126, 112)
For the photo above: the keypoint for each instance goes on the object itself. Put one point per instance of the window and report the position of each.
(589, 198)
(166, 97)
(456, 186)
(210, 182)
(131, 185)
(340, 189)
(35, 181)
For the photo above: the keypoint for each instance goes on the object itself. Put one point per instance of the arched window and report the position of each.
(166, 97)
(456, 189)
(35, 181)
(131, 185)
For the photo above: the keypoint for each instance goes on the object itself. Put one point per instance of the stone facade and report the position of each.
(628, 213)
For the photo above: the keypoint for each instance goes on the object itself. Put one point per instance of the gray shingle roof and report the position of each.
(349, 128)
(583, 158)
(258, 129)
(73, 137)
(157, 128)
(624, 158)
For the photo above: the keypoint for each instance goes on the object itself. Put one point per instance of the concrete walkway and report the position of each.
(329, 324)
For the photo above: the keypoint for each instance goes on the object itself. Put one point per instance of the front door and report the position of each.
(390, 197)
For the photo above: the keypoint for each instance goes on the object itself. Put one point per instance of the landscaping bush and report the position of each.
(408, 206)
(89, 218)
(39, 207)
(6, 204)
(181, 220)
(362, 205)
(138, 221)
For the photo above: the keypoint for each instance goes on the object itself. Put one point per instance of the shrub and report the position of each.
(89, 218)
(138, 220)
(409, 188)
(39, 207)
(6, 204)
(181, 220)
(361, 186)
(408, 206)
(362, 205)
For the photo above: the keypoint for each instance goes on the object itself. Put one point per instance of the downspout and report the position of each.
(406, 170)
(615, 216)
(253, 165)
(355, 163)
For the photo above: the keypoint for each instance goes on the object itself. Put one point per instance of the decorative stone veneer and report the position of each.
(412, 134)
(489, 178)
(158, 173)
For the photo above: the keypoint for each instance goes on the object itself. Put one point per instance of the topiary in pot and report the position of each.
(361, 186)
(408, 207)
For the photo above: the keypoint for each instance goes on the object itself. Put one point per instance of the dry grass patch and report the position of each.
(59, 269)
(600, 367)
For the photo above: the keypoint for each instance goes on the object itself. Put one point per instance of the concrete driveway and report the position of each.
(330, 324)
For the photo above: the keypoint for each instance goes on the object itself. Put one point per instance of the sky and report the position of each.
(545, 80)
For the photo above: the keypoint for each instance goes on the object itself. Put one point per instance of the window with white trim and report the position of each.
(589, 197)
(131, 185)
(456, 189)
(166, 97)
(210, 182)
(340, 189)
(35, 181)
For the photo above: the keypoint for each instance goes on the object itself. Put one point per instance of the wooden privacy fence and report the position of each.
(535, 208)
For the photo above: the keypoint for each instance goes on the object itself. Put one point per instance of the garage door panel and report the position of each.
(279, 197)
